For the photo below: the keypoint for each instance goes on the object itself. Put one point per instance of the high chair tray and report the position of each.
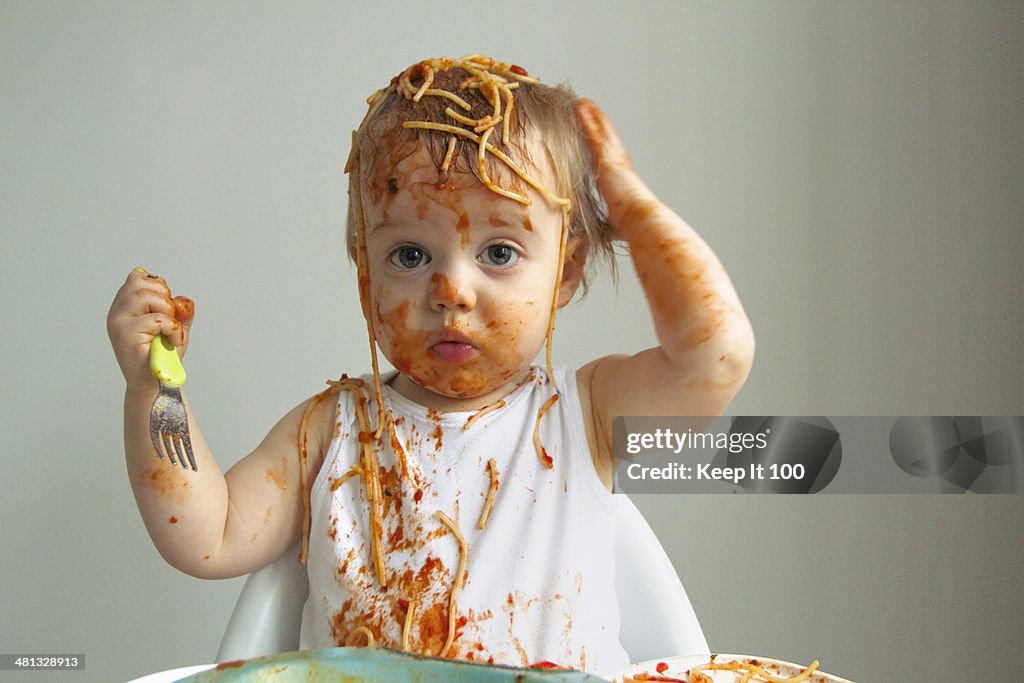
(353, 665)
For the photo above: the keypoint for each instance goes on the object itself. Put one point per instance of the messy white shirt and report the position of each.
(539, 583)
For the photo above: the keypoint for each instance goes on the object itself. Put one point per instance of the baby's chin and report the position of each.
(465, 384)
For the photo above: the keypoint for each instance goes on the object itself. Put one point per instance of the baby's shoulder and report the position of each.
(325, 413)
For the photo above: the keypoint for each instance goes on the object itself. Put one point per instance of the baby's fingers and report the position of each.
(162, 317)
(143, 306)
(141, 279)
(153, 324)
(606, 146)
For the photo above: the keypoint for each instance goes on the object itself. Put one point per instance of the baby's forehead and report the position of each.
(409, 163)
(411, 166)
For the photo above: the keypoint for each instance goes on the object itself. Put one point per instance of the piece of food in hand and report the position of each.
(184, 309)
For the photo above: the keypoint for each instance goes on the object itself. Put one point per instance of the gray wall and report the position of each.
(856, 166)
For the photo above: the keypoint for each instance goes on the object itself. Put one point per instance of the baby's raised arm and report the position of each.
(203, 522)
(706, 344)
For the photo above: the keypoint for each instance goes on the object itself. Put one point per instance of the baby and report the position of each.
(460, 505)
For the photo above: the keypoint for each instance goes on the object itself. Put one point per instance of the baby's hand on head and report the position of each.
(143, 308)
(628, 198)
(606, 148)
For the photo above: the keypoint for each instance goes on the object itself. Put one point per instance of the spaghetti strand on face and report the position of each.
(554, 298)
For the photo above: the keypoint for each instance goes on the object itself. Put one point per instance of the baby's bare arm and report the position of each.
(706, 344)
(203, 522)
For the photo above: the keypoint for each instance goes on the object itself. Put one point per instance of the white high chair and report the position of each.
(657, 618)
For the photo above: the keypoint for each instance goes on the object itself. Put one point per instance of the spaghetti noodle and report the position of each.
(356, 471)
(460, 580)
(304, 484)
(410, 614)
(541, 451)
(368, 457)
(452, 141)
(492, 490)
(500, 403)
(360, 631)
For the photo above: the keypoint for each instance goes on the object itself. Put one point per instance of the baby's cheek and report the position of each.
(519, 330)
(403, 346)
(504, 339)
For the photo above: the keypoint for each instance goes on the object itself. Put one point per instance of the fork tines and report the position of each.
(168, 428)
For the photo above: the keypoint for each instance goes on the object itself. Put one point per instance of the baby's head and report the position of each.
(473, 211)
(540, 136)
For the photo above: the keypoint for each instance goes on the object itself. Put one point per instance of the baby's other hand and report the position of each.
(606, 149)
(627, 197)
(143, 308)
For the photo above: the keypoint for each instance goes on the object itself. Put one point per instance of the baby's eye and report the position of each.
(408, 257)
(499, 255)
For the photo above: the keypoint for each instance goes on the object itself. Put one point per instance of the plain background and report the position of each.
(856, 166)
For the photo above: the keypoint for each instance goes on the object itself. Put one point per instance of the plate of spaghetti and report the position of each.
(723, 668)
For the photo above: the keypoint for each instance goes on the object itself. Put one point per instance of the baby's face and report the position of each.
(461, 278)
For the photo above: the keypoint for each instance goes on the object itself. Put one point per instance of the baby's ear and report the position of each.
(572, 271)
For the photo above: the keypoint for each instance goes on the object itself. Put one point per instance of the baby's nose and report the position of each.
(451, 293)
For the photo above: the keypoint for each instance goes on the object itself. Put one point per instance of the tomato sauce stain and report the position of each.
(462, 226)
(236, 664)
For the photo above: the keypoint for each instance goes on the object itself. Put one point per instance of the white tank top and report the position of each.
(539, 583)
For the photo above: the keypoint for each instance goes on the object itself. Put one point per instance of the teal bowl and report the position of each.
(357, 664)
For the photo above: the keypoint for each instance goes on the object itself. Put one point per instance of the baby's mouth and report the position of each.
(453, 347)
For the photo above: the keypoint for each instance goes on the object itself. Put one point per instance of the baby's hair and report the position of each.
(451, 106)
